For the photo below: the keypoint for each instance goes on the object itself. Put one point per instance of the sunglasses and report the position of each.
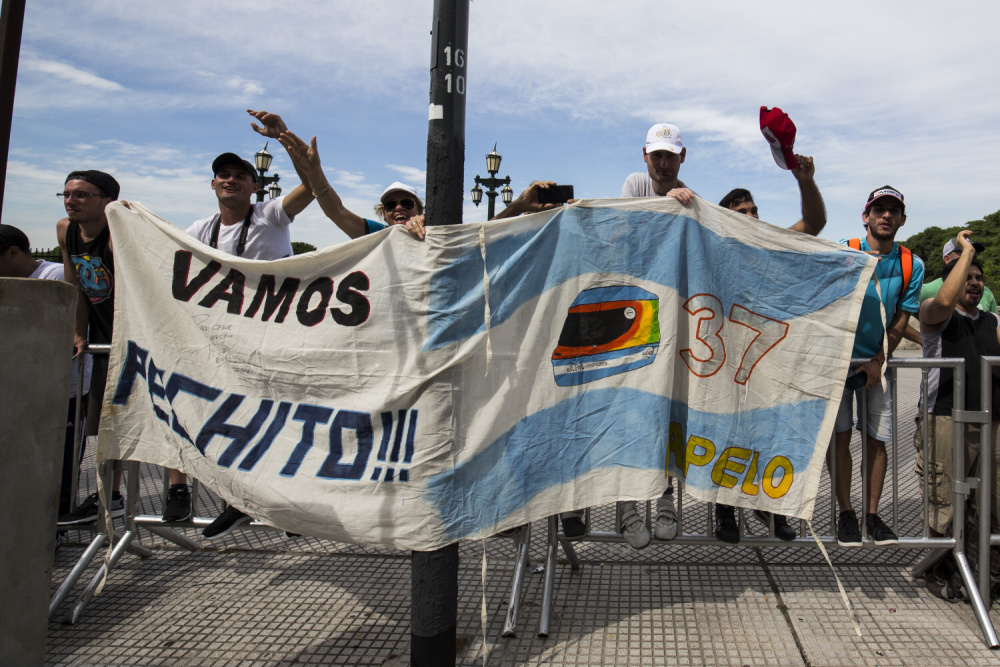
(78, 196)
(390, 204)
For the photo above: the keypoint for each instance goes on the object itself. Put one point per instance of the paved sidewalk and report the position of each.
(257, 598)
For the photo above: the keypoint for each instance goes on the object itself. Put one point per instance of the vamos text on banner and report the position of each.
(408, 394)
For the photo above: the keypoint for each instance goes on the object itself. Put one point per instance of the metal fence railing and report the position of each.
(978, 591)
(691, 530)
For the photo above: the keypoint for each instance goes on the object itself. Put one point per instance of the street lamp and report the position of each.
(262, 160)
(492, 183)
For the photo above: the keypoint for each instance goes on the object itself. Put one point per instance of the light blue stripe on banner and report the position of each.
(672, 250)
(604, 429)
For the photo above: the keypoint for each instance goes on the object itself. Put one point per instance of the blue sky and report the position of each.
(892, 92)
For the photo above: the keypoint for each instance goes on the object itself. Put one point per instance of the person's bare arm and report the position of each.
(69, 274)
(934, 312)
(527, 201)
(911, 334)
(306, 157)
(813, 210)
(896, 329)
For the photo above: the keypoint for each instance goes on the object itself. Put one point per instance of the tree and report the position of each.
(299, 247)
(928, 244)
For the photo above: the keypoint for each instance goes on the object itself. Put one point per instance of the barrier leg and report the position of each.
(74, 575)
(172, 536)
(570, 552)
(550, 579)
(978, 608)
(927, 562)
(522, 542)
(88, 592)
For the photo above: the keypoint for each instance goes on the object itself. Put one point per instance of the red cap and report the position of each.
(779, 130)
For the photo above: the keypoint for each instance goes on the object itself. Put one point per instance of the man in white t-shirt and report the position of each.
(248, 229)
(16, 261)
(663, 154)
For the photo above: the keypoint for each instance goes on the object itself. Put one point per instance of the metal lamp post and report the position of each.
(492, 183)
(269, 184)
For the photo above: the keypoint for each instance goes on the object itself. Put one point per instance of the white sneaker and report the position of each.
(632, 528)
(665, 527)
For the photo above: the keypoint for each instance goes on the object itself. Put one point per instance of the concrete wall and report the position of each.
(36, 335)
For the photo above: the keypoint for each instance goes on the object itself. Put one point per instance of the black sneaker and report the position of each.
(86, 512)
(781, 528)
(178, 507)
(60, 538)
(726, 528)
(574, 528)
(848, 530)
(878, 531)
(225, 523)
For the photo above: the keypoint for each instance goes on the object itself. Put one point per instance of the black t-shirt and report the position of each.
(970, 339)
(95, 269)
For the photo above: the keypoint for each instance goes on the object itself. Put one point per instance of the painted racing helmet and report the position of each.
(608, 330)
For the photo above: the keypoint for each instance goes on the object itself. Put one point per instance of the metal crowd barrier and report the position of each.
(938, 545)
(127, 542)
(554, 539)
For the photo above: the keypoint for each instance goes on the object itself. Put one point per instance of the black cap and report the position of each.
(885, 191)
(104, 182)
(232, 158)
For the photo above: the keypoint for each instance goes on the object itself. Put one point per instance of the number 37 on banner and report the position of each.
(707, 357)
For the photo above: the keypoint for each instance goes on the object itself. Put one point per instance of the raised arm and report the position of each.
(934, 312)
(296, 200)
(813, 210)
(306, 157)
(82, 307)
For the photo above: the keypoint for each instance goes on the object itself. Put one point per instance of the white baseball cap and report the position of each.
(664, 137)
(402, 187)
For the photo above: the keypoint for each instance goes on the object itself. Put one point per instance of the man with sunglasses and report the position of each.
(88, 263)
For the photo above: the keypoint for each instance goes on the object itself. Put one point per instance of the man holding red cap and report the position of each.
(899, 275)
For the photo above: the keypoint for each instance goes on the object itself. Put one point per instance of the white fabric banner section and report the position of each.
(349, 393)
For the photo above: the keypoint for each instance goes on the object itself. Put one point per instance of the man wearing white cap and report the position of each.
(663, 154)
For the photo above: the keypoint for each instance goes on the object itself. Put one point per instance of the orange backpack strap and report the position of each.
(906, 263)
(854, 243)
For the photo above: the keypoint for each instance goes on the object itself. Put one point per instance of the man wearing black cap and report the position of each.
(242, 227)
(899, 274)
(88, 262)
(248, 229)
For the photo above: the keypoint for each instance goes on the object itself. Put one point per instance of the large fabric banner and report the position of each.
(408, 394)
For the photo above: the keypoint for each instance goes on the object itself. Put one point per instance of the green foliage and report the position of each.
(299, 247)
(927, 245)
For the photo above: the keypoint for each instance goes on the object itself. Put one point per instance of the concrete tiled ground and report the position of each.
(257, 598)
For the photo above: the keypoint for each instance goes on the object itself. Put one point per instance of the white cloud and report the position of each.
(69, 74)
(412, 175)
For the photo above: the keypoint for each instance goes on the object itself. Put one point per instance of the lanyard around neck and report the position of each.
(242, 243)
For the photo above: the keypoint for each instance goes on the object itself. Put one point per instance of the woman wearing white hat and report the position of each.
(397, 205)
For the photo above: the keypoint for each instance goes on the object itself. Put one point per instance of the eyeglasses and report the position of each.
(390, 204)
(78, 196)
